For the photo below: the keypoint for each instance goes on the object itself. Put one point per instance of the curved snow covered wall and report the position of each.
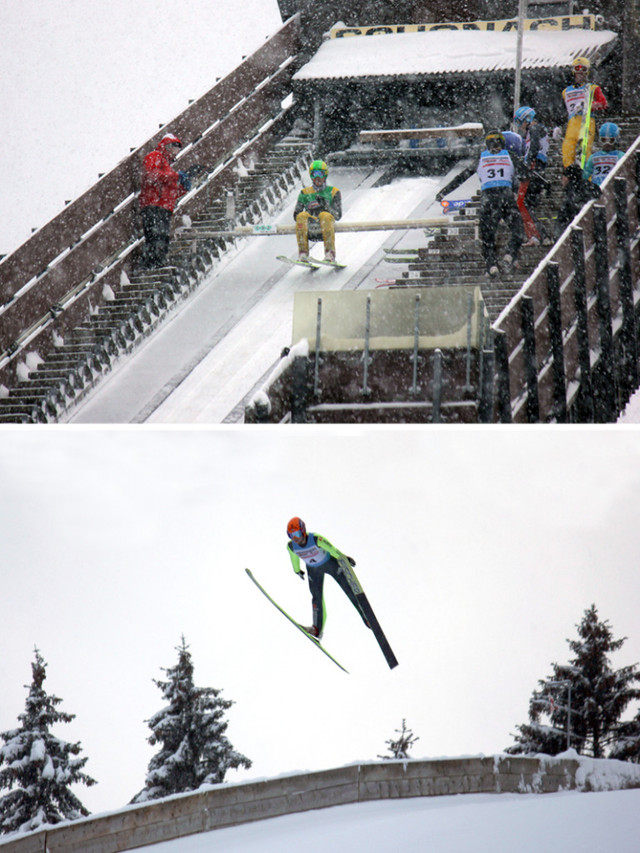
(228, 805)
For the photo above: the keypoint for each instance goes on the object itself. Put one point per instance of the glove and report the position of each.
(351, 560)
(300, 574)
(185, 180)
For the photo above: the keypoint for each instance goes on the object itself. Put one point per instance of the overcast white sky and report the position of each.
(479, 549)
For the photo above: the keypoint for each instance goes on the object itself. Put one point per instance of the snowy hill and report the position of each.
(203, 365)
(477, 823)
(367, 805)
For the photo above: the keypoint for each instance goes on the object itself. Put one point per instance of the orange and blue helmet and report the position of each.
(296, 529)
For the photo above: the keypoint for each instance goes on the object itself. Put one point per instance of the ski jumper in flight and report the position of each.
(318, 208)
(580, 100)
(320, 558)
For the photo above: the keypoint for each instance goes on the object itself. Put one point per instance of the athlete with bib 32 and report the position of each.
(580, 100)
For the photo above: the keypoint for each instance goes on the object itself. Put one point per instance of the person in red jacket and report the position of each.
(161, 187)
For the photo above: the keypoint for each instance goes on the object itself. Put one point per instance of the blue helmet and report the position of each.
(524, 114)
(514, 143)
(609, 130)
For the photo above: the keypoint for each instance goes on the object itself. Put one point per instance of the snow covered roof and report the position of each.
(448, 51)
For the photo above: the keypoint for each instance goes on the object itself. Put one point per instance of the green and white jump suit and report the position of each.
(320, 557)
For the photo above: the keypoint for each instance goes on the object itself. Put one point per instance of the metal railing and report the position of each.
(566, 347)
(56, 278)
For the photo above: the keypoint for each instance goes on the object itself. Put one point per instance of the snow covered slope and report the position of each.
(570, 822)
(203, 364)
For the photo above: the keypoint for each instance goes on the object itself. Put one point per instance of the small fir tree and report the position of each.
(191, 731)
(599, 697)
(399, 748)
(38, 767)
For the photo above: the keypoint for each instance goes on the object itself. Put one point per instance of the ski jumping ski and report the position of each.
(367, 612)
(334, 264)
(583, 136)
(400, 259)
(312, 263)
(315, 642)
(400, 251)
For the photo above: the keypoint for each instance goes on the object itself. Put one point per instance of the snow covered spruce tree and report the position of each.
(627, 745)
(38, 767)
(586, 692)
(191, 731)
(399, 748)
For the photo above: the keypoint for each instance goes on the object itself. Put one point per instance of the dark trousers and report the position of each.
(315, 575)
(529, 197)
(156, 225)
(498, 204)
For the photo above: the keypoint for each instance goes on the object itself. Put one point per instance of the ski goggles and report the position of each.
(296, 535)
(579, 68)
(494, 141)
(611, 139)
(317, 173)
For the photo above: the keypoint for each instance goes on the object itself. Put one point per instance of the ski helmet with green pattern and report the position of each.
(317, 168)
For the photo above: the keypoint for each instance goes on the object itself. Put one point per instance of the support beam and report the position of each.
(272, 230)
(471, 129)
(554, 319)
(586, 406)
(529, 355)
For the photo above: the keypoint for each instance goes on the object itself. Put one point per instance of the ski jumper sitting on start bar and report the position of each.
(320, 557)
(316, 211)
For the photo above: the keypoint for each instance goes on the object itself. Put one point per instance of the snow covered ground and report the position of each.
(86, 82)
(598, 815)
(571, 822)
(220, 345)
(631, 414)
(205, 363)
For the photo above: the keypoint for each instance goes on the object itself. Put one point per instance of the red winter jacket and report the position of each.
(160, 185)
